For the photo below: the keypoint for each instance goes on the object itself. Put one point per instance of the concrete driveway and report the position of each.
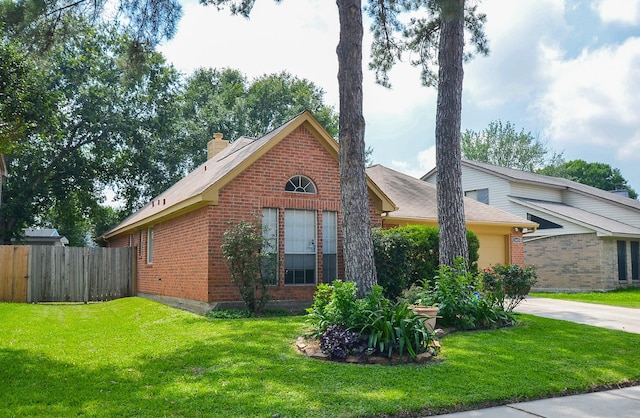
(623, 319)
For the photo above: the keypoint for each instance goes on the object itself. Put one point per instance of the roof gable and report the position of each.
(201, 186)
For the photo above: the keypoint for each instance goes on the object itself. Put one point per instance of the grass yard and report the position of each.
(135, 357)
(628, 298)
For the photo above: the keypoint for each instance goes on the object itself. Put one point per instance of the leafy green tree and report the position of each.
(599, 175)
(500, 144)
(110, 130)
(225, 101)
(41, 24)
(25, 103)
(435, 34)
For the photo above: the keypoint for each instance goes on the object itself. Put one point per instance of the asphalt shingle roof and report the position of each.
(416, 199)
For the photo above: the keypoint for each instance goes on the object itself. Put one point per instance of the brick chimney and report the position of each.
(216, 145)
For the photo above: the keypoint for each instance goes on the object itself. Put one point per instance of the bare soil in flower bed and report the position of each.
(311, 348)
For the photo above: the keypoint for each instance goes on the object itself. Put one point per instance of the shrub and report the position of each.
(396, 328)
(338, 342)
(409, 254)
(391, 253)
(337, 304)
(242, 248)
(463, 303)
(508, 285)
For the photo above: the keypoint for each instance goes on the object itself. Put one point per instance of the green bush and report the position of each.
(242, 248)
(337, 304)
(391, 252)
(410, 254)
(508, 285)
(397, 329)
(463, 303)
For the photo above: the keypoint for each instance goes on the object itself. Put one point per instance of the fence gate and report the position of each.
(40, 273)
(14, 273)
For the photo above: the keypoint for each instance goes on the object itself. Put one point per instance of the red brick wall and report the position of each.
(179, 267)
(263, 185)
(188, 261)
(517, 248)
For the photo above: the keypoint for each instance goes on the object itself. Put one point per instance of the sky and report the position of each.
(568, 72)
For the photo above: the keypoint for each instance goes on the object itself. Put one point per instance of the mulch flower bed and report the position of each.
(311, 348)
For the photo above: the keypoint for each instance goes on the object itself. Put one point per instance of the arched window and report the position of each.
(300, 184)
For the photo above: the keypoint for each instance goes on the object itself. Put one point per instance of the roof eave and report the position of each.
(204, 199)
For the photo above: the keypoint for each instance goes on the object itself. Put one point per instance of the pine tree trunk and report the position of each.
(453, 238)
(356, 224)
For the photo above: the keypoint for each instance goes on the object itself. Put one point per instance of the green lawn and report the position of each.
(629, 298)
(135, 357)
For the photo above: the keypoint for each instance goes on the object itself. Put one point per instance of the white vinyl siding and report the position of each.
(498, 188)
(530, 191)
(610, 210)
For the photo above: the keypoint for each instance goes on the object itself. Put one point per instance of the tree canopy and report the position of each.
(599, 175)
(43, 23)
(500, 144)
(25, 103)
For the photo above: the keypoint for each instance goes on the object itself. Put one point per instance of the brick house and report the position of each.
(500, 233)
(588, 239)
(289, 177)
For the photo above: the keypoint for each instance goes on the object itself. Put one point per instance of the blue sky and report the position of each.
(566, 71)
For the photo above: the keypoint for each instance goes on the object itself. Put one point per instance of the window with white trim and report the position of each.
(300, 184)
(481, 195)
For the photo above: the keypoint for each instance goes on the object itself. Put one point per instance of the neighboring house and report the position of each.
(289, 178)
(499, 232)
(588, 239)
(4, 173)
(45, 236)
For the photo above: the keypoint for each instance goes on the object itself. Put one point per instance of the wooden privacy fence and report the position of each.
(40, 273)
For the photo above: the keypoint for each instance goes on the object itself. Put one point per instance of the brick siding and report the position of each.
(188, 261)
(575, 262)
(516, 244)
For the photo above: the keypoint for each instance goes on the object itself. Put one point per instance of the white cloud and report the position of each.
(299, 37)
(426, 162)
(516, 30)
(626, 12)
(593, 99)
(427, 159)
(399, 164)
